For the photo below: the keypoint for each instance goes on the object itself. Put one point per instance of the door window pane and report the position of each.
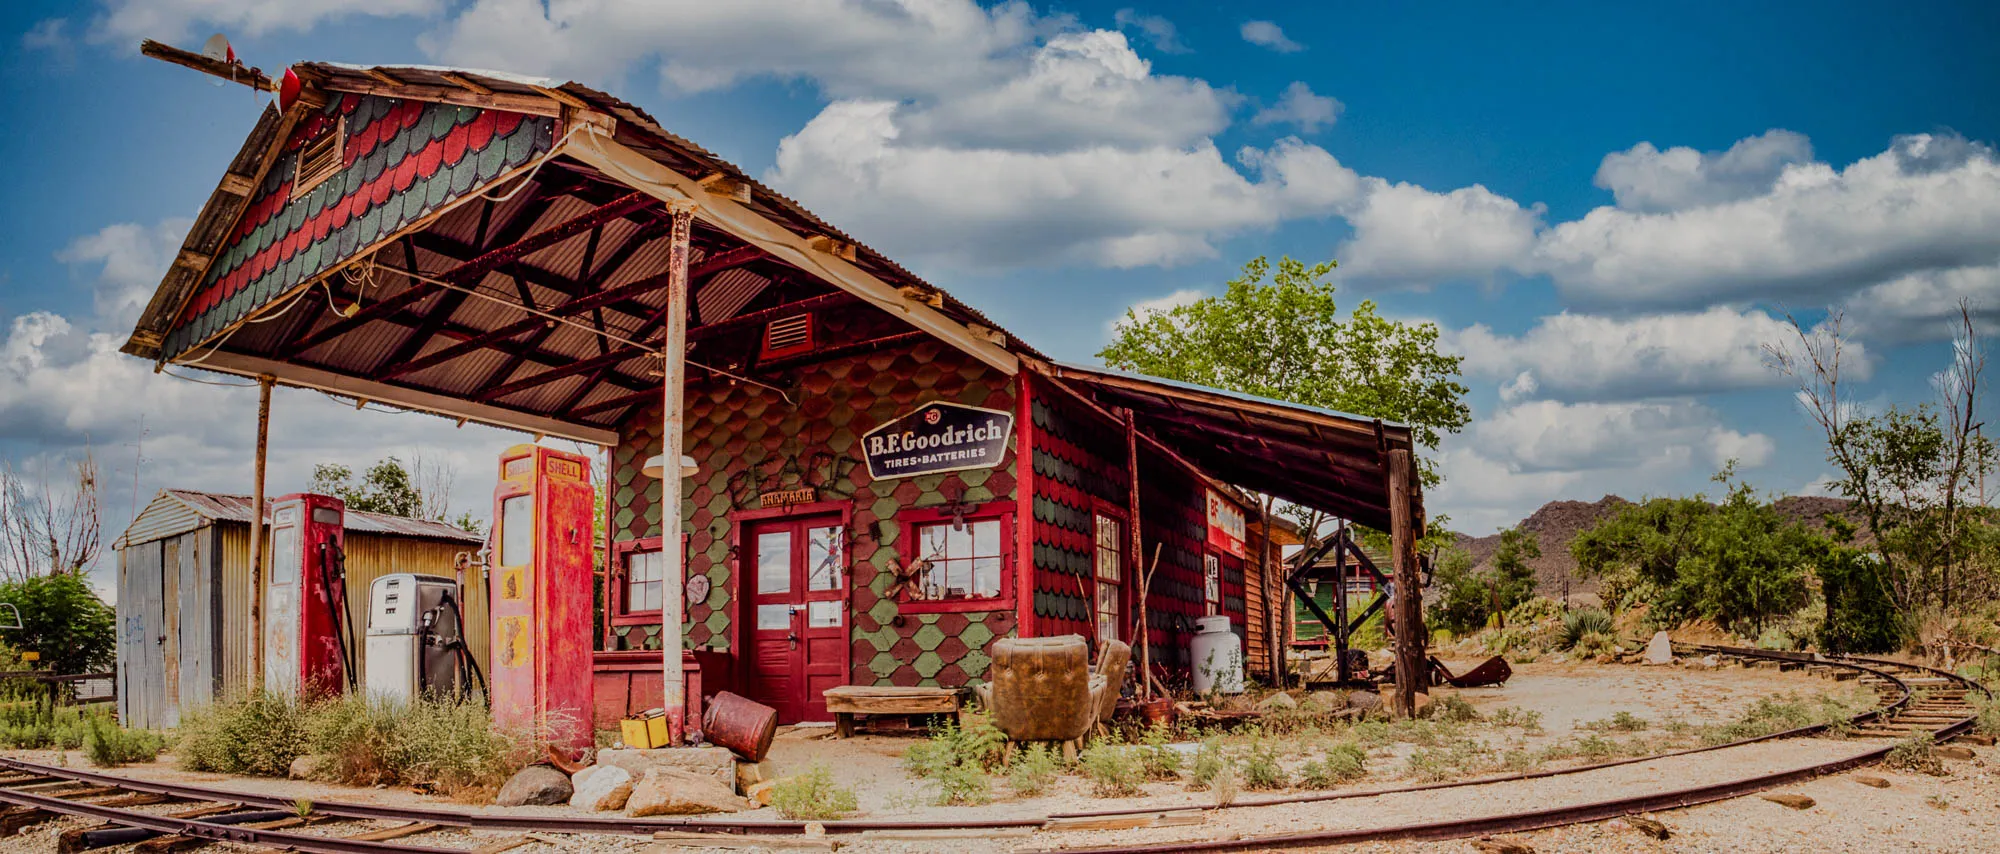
(774, 562)
(517, 530)
(823, 558)
(774, 617)
(821, 615)
(645, 581)
(964, 560)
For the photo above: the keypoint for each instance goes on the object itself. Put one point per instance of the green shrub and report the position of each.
(1261, 770)
(1988, 708)
(1208, 762)
(257, 734)
(811, 795)
(1533, 611)
(1860, 617)
(1160, 761)
(1512, 716)
(979, 745)
(448, 744)
(1452, 708)
(107, 744)
(1033, 770)
(1114, 771)
(1580, 622)
(1620, 722)
(1343, 762)
(962, 784)
(1916, 753)
(1438, 764)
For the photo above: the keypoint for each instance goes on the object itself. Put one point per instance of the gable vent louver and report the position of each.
(320, 159)
(788, 336)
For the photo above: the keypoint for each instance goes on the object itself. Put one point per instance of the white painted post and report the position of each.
(673, 595)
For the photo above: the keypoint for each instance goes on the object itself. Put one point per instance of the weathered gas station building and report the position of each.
(875, 481)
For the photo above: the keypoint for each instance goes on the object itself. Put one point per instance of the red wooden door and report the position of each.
(797, 612)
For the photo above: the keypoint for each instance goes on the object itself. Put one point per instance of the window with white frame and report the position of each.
(645, 581)
(1109, 572)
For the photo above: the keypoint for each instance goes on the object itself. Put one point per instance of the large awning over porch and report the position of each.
(1322, 459)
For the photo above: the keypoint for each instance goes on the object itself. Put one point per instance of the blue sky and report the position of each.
(1606, 207)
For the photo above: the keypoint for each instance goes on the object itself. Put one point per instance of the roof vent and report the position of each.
(790, 336)
(320, 159)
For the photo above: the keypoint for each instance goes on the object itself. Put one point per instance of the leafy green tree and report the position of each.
(1463, 597)
(64, 621)
(1513, 579)
(1287, 340)
(387, 487)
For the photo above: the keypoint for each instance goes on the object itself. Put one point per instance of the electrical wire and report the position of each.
(529, 177)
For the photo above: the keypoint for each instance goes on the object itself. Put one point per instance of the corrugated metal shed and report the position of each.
(176, 511)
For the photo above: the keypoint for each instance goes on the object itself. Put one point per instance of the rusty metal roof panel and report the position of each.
(236, 508)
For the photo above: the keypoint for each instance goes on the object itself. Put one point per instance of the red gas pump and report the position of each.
(540, 579)
(308, 642)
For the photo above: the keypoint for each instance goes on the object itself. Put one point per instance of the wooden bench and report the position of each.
(846, 701)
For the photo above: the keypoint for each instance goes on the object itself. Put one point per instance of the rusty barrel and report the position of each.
(741, 724)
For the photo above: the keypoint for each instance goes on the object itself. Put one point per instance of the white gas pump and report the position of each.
(416, 639)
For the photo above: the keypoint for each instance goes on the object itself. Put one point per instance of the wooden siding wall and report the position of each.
(748, 441)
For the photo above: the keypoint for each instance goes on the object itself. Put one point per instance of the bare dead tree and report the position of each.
(433, 479)
(47, 530)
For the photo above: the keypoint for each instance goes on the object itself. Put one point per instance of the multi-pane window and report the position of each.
(962, 560)
(645, 581)
(1211, 584)
(1109, 561)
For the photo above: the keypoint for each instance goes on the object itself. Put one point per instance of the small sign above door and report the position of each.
(937, 437)
(787, 498)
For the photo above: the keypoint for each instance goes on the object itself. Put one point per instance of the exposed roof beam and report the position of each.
(551, 375)
(471, 272)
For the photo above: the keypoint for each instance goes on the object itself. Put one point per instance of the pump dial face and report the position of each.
(697, 589)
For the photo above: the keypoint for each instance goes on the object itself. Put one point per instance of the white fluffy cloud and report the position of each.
(1528, 454)
(1927, 203)
(1645, 178)
(1301, 108)
(1168, 302)
(1268, 35)
(1569, 356)
(849, 48)
(176, 20)
(1924, 306)
(1403, 231)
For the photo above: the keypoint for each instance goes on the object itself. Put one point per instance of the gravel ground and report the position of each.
(1960, 812)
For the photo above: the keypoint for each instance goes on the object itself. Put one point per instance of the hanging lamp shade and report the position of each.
(656, 466)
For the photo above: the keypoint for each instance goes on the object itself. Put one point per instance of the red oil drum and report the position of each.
(741, 724)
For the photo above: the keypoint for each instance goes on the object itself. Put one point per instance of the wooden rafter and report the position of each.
(471, 272)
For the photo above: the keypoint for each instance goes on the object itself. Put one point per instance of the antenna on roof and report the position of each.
(217, 59)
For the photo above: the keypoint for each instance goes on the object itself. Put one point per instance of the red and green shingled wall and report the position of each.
(402, 160)
(748, 441)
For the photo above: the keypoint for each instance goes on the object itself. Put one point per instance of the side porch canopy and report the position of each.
(1318, 458)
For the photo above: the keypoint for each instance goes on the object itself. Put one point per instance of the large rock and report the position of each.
(1279, 702)
(1660, 650)
(717, 762)
(312, 766)
(600, 788)
(751, 773)
(535, 785)
(1326, 701)
(1366, 701)
(673, 791)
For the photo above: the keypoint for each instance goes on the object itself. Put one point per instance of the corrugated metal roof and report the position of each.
(236, 508)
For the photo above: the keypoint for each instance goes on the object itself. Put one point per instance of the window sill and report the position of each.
(953, 606)
(636, 618)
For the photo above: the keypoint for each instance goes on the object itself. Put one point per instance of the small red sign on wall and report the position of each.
(1226, 526)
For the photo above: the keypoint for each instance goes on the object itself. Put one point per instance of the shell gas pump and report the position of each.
(540, 584)
(308, 640)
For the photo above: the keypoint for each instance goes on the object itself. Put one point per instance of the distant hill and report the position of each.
(1558, 522)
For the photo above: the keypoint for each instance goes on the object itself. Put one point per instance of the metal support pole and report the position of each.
(1410, 669)
(674, 596)
(264, 384)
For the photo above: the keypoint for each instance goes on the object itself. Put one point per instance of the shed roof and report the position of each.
(219, 507)
(1319, 458)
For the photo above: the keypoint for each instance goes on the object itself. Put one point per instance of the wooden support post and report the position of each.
(1144, 634)
(1410, 669)
(1271, 645)
(673, 597)
(264, 384)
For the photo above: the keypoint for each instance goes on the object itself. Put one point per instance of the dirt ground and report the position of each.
(1960, 812)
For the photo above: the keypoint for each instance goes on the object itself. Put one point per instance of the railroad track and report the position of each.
(1912, 698)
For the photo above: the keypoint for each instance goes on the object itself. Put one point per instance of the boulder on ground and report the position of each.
(1326, 701)
(1366, 701)
(751, 773)
(1660, 650)
(601, 788)
(760, 793)
(535, 785)
(672, 791)
(311, 766)
(1279, 702)
(717, 762)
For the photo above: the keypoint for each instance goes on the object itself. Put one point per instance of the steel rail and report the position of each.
(217, 832)
(1877, 713)
(1518, 822)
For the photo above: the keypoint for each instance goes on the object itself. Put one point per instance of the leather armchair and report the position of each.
(1039, 689)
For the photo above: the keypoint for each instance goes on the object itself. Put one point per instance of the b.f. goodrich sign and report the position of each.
(937, 437)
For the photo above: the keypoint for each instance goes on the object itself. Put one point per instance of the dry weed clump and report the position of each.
(812, 795)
